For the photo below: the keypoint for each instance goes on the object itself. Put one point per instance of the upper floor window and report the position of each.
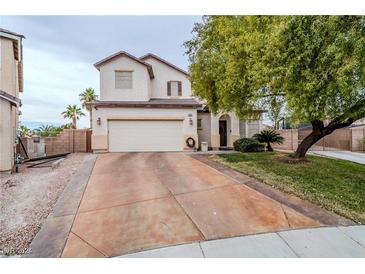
(174, 88)
(123, 79)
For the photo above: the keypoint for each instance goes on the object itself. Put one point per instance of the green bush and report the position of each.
(248, 145)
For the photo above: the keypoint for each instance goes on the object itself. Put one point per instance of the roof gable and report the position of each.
(119, 54)
(151, 55)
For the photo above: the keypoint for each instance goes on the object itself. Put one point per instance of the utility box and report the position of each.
(204, 146)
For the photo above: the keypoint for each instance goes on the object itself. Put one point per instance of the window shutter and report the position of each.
(168, 88)
(179, 89)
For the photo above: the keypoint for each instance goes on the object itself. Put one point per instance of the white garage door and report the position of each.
(145, 136)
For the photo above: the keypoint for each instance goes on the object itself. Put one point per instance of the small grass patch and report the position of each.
(336, 185)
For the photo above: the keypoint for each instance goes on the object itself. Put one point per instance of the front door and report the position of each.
(223, 133)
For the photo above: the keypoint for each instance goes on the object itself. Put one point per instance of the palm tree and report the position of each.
(87, 96)
(24, 130)
(269, 136)
(73, 112)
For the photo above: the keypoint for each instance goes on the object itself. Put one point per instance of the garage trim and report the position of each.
(163, 134)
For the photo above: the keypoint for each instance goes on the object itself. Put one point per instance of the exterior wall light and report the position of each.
(190, 119)
(98, 121)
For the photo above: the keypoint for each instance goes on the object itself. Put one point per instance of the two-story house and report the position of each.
(11, 83)
(146, 104)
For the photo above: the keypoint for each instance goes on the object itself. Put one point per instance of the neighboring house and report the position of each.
(11, 83)
(146, 104)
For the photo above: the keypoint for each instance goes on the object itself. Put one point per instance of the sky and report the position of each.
(59, 53)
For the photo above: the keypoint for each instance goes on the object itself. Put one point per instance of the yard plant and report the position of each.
(49, 130)
(314, 64)
(269, 137)
(87, 96)
(248, 145)
(74, 113)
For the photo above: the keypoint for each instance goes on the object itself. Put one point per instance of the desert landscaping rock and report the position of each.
(26, 199)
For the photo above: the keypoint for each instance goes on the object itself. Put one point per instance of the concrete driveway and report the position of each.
(140, 201)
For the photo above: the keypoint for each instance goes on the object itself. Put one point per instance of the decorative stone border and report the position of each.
(51, 239)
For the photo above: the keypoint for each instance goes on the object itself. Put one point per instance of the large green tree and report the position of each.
(316, 63)
(87, 96)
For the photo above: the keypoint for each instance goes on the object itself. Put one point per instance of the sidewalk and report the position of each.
(324, 242)
(355, 157)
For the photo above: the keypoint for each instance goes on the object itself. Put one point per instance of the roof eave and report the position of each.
(116, 104)
(151, 55)
(11, 99)
(97, 65)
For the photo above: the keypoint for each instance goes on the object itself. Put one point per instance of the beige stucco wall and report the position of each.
(100, 132)
(233, 129)
(7, 136)
(8, 113)
(8, 68)
(236, 128)
(163, 73)
(141, 81)
(204, 132)
(248, 128)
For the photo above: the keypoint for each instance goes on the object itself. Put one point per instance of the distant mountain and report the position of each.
(36, 124)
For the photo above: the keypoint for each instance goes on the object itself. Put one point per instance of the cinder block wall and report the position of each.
(69, 140)
(341, 139)
(290, 139)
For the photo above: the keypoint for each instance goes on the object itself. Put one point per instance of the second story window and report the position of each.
(174, 88)
(123, 79)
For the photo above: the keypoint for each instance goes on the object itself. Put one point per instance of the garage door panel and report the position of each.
(145, 136)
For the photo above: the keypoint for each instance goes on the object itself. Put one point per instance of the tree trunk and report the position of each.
(306, 144)
(74, 122)
(318, 132)
(269, 148)
(91, 120)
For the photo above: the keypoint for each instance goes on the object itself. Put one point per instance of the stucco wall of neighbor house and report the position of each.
(140, 90)
(100, 132)
(204, 132)
(8, 68)
(163, 73)
(6, 136)
(8, 113)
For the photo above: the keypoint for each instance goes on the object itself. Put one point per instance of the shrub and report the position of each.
(248, 145)
(268, 137)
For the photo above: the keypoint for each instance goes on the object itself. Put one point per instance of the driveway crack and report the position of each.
(86, 242)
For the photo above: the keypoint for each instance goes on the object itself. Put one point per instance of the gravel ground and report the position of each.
(26, 199)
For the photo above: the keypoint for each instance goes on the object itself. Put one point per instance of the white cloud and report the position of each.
(51, 84)
(59, 52)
